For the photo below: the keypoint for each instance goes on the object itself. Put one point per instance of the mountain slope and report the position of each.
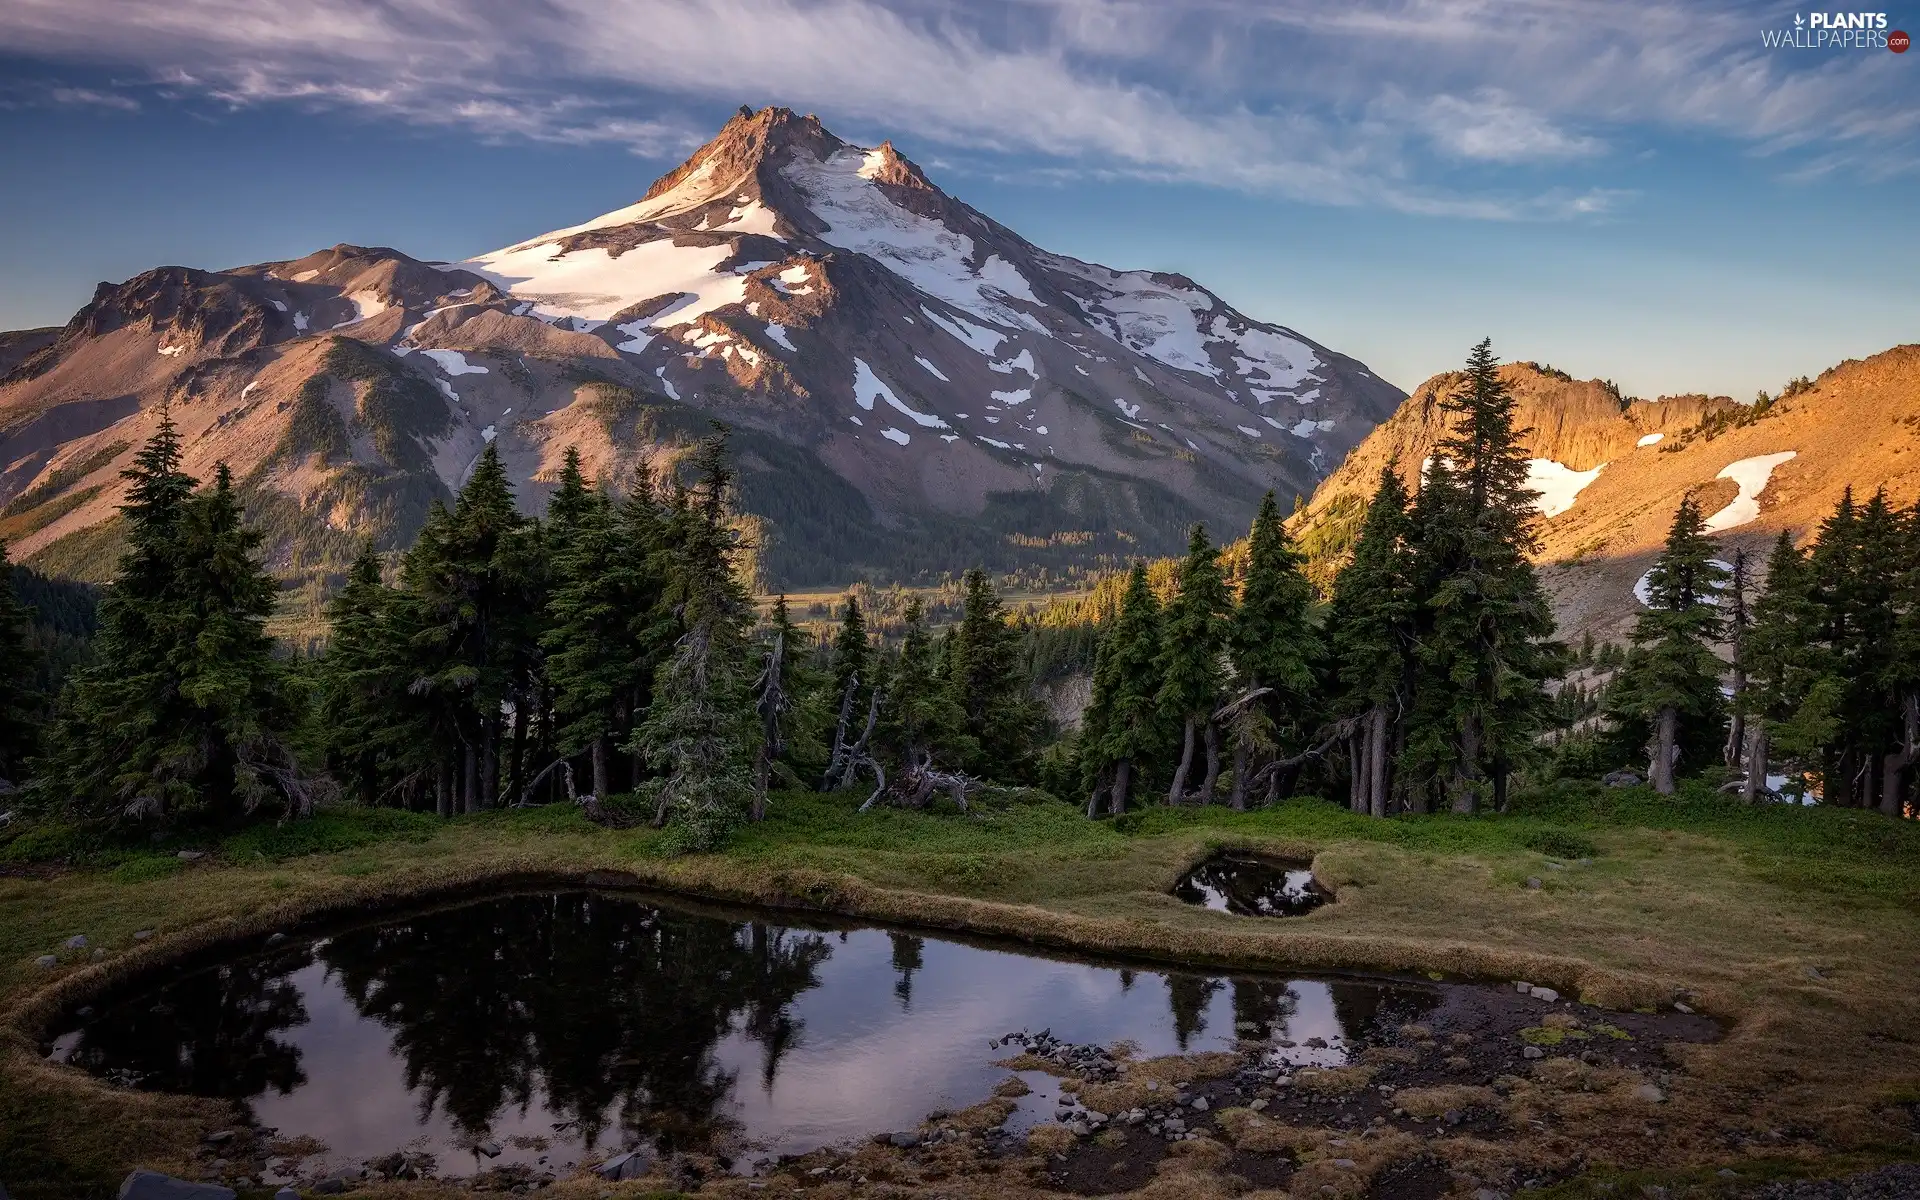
(913, 385)
(1612, 473)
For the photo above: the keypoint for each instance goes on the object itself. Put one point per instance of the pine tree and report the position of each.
(362, 701)
(986, 683)
(1372, 649)
(16, 679)
(589, 659)
(1671, 683)
(1899, 672)
(1127, 734)
(699, 725)
(186, 710)
(1487, 645)
(1274, 646)
(474, 604)
(852, 653)
(1194, 640)
(1780, 657)
(923, 721)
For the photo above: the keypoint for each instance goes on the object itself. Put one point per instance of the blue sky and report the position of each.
(1627, 189)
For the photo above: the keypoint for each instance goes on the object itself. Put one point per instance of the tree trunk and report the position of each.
(1661, 768)
(469, 778)
(1356, 775)
(1122, 780)
(517, 756)
(442, 790)
(490, 762)
(1755, 753)
(1893, 788)
(1093, 801)
(1177, 794)
(1377, 761)
(1212, 740)
(1238, 800)
(600, 767)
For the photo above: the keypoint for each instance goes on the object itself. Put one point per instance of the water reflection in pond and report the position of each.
(1251, 887)
(577, 1023)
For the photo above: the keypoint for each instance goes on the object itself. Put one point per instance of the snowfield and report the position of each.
(593, 285)
(1752, 476)
(922, 251)
(1559, 485)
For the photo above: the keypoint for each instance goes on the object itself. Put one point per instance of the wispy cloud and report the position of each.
(1280, 97)
(92, 98)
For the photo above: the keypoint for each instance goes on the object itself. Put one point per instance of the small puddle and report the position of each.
(1252, 887)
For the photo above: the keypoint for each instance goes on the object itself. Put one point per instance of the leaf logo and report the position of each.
(1798, 20)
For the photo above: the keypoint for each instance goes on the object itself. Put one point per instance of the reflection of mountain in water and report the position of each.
(600, 1001)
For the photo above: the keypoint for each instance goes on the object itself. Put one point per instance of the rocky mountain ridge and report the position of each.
(913, 385)
(1612, 470)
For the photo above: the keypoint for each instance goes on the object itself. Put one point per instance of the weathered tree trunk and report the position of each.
(442, 789)
(1100, 789)
(1893, 787)
(1177, 794)
(1660, 770)
(1356, 775)
(1755, 754)
(1212, 740)
(600, 767)
(469, 778)
(829, 781)
(1377, 761)
(517, 750)
(1465, 784)
(1737, 639)
(490, 762)
(1238, 799)
(1122, 780)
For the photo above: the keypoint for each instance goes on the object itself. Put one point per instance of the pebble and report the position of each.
(1679, 1007)
(141, 935)
(1200, 1104)
(1547, 994)
(1649, 1093)
(77, 942)
(1533, 884)
(1521, 986)
(904, 1140)
(46, 960)
(1258, 1106)
(191, 855)
(1533, 1052)
(1348, 1163)
(276, 939)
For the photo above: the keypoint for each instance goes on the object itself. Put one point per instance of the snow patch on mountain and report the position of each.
(931, 369)
(365, 304)
(894, 435)
(868, 387)
(454, 363)
(1018, 396)
(1752, 475)
(1558, 484)
(1022, 361)
(920, 250)
(1130, 411)
(979, 339)
(778, 333)
(1652, 439)
(593, 284)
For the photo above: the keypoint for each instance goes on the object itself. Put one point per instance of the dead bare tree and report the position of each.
(848, 762)
(771, 705)
(915, 786)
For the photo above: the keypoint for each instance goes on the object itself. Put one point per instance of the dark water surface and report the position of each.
(597, 1021)
(1252, 887)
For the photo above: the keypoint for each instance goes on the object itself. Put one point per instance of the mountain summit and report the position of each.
(913, 385)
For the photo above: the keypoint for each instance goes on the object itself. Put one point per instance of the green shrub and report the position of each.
(329, 831)
(1555, 842)
(145, 867)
